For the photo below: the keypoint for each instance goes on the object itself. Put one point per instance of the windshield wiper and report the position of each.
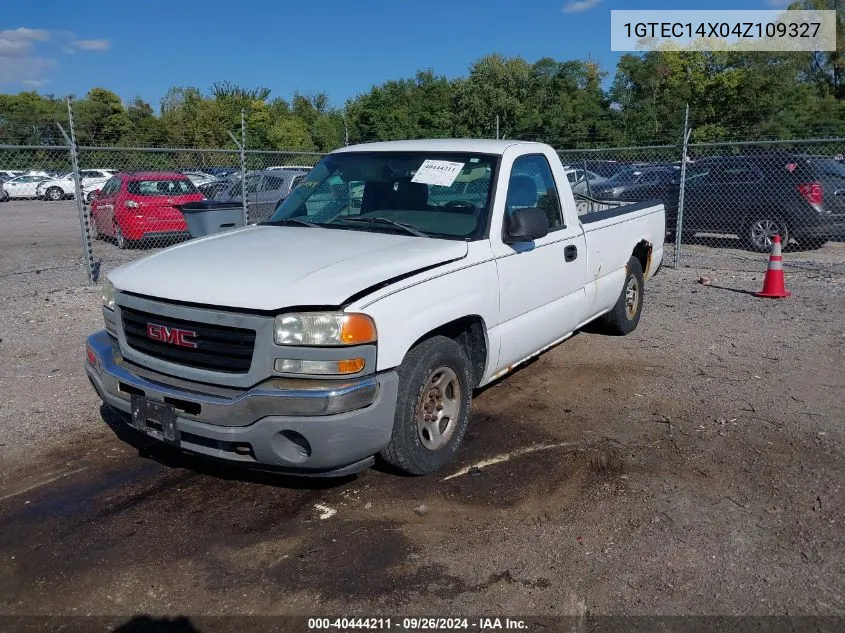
(289, 221)
(405, 227)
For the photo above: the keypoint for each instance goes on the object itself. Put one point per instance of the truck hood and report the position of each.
(270, 267)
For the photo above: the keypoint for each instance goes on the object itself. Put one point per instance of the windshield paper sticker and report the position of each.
(438, 172)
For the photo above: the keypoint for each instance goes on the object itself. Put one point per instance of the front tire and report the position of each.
(54, 194)
(432, 408)
(120, 238)
(625, 315)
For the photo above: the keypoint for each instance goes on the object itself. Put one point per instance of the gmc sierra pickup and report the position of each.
(356, 322)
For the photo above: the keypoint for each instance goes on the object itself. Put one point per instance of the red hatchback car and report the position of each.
(132, 206)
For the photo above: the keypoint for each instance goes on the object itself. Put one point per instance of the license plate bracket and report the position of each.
(156, 419)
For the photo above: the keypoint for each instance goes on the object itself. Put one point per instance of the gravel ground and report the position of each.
(693, 467)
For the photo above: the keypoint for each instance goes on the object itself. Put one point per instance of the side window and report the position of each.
(739, 173)
(89, 174)
(271, 183)
(699, 175)
(296, 180)
(649, 178)
(251, 186)
(532, 185)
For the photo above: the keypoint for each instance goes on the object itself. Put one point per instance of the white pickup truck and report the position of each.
(353, 326)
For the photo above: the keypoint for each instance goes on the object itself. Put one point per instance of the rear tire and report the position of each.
(760, 231)
(432, 408)
(625, 315)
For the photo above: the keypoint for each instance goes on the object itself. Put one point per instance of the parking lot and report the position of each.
(692, 467)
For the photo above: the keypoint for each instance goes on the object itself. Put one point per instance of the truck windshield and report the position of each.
(436, 194)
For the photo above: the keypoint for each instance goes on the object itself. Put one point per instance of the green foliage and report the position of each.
(731, 95)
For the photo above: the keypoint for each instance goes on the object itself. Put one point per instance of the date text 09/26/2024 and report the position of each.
(417, 624)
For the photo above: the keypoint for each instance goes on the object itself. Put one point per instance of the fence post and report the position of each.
(679, 221)
(85, 232)
(242, 147)
(589, 187)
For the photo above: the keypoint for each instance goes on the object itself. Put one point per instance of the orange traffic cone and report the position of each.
(773, 284)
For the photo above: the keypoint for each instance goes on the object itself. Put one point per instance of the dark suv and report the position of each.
(756, 197)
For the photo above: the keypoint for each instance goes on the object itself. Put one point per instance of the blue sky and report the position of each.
(340, 47)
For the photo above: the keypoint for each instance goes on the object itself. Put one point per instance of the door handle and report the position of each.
(570, 253)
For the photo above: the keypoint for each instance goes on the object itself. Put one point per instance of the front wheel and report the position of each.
(54, 193)
(761, 230)
(432, 408)
(625, 315)
(120, 238)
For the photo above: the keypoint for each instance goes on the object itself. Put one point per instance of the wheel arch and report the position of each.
(643, 251)
(470, 332)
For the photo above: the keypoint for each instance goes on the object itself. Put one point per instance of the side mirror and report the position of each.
(526, 225)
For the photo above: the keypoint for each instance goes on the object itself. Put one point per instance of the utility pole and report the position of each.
(497, 127)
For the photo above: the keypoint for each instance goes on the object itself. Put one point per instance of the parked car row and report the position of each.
(135, 206)
(756, 197)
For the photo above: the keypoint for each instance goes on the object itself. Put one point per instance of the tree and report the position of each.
(101, 119)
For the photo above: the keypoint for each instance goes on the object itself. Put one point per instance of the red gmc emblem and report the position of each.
(172, 335)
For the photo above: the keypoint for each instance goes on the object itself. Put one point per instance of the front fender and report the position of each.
(406, 313)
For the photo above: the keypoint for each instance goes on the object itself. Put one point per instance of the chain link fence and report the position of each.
(41, 244)
(723, 200)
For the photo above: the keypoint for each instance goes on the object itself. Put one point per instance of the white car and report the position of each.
(63, 187)
(22, 187)
(305, 168)
(578, 179)
(199, 177)
(336, 332)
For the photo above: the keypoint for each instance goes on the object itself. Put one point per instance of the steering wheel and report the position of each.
(459, 204)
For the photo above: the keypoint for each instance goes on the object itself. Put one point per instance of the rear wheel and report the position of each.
(54, 193)
(432, 408)
(760, 231)
(625, 315)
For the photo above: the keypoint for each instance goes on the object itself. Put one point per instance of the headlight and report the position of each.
(324, 328)
(108, 294)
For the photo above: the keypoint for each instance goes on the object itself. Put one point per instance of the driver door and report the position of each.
(541, 283)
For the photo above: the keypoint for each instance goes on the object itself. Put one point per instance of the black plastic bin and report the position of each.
(208, 217)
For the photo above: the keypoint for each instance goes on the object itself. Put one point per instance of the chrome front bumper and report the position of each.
(296, 423)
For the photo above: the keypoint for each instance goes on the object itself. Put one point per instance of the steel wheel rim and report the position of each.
(632, 295)
(762, 232)
(440, 405)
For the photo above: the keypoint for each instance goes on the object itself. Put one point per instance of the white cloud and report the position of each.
(577, 6)
(18, 68)
(92, 45)
(24, 60)
(25, 35)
